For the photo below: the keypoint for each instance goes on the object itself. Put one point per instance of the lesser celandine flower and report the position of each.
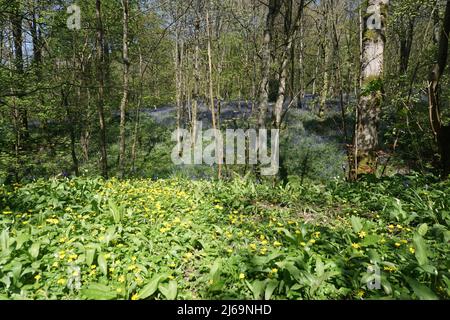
(356, 245)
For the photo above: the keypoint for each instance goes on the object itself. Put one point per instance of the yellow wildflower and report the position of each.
(389, 268)
(242, 276)
(177, 220)
(52, 221)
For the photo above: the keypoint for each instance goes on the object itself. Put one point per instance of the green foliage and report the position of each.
(169, 239)
(372, 86)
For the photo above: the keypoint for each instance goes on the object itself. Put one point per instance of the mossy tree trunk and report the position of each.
(125, 97)
(369, 106)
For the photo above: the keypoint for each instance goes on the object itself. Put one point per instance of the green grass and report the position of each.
(141, 239)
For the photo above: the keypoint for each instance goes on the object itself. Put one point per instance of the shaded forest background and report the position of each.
(104, 99)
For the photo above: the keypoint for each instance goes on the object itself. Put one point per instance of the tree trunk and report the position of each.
(138, 113)
(369, 106)
(291, 28)
(406, 41)
(440, 131)
(17, 31)
(211, 92)
(274, 10)
(72, 130)
(101, 85)
(124, 103)
(325, 48)
(195, 96)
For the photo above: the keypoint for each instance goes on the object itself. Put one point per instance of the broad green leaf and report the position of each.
(151, 287)
(3, 297)
(320, 267)
(421, 249)
(215, 271)
(422, 291)
(387, 287)
(356, 224)
(97, 291)
(21, 238)
(6, 280)
(288, 234)
(429, 269)
(447, 283)
(257, 288)
(423, 229)
(4, 240)
(370, 240)
(170, 290)
(34, 250)
(16, 268)
(270, 288)
(263, 260)
(103, 265)
(90, 253)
